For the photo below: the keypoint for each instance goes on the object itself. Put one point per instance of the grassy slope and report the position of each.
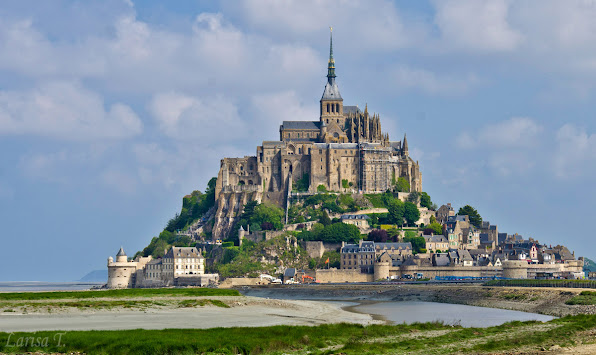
(124, 293)
(425, 338)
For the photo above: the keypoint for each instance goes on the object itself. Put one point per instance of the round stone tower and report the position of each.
(381, 270)
(515, 269)
(121, 271)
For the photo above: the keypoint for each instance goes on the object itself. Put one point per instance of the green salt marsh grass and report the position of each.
(124, 293)
(430, 338)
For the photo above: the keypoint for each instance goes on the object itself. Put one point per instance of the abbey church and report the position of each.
(345, 150)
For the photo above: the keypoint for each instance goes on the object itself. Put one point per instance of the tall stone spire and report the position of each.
(405, 145)
(331, 64)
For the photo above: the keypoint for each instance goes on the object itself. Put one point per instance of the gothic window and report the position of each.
(337, 108)
(327, 108)
(332, 108)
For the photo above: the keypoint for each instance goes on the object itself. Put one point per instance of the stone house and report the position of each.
(364, 254)
(444, 212)
(436, 242)
(359, 220)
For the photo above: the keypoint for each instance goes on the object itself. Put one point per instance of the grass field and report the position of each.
(124, 293)
(423, 338)
(585, 298)
(543, 283)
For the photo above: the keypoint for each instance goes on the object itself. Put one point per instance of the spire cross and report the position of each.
(331, 66)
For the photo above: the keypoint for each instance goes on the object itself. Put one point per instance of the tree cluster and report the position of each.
(333, 233)
(475, 218)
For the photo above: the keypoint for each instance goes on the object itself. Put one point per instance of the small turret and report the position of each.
(121, 256)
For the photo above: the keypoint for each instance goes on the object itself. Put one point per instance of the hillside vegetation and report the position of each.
(194, 206)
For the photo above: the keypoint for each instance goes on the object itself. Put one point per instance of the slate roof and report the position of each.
(435, 239)
(351, 109)
(290, 272)
(312, 125)
(121, 252)
(273, 144)
(355, 216)
(331, 92)
(183, 252)
(441, 260)
(407, 245)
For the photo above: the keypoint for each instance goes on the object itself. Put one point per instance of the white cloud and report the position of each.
(509, 148)
(512, 133)
(273, 108)
(575, 154)
(476, 25)
(406, 78)
(67, 111)
(208, 119)
(372, 24)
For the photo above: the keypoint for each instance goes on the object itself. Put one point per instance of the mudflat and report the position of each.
(175, 313)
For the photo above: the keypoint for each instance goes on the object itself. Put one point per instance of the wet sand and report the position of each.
(244, 312)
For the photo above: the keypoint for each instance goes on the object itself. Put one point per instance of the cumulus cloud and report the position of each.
(273, 108)
(476, 25)
(407, 78)
(184, 117)
(575, 154)
(372, 24)
(65, 110)
(511, 133)
(509, 148)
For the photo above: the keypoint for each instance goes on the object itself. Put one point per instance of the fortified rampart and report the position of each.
(334, 275)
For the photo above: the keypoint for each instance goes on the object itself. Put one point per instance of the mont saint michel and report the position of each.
(299, 177)
(344, 150)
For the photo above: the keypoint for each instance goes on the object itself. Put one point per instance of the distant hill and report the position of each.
(96, 276)
(589, 265)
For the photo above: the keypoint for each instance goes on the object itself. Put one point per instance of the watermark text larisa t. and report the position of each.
(14, 341)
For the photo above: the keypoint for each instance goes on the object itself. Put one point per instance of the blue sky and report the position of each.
(111, 111)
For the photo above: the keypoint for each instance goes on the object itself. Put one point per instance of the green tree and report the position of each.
(303, 184)
(266, 212)
(414, 197)
(338, 232)
(396, 211)
(475, 218)
(411, 213)
(410, 233)
(425, 200)
(321, 188)
(433, 219)
(436, 227)
(418, 243)
(402, 185)
(325, 220)
(345, 183)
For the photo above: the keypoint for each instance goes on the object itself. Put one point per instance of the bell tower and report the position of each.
(332, 105)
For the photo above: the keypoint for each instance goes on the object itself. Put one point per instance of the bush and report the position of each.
(321, 188)
(378, 235)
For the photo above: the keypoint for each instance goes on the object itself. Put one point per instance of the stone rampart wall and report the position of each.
(341, 275)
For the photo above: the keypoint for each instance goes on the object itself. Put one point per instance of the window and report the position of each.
(327, 109)
(337, 109)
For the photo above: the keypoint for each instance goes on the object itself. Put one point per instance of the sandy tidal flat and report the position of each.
(246, 312)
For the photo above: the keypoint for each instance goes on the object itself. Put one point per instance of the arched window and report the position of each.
(337, 108)
(332, 108)
(327, 108)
